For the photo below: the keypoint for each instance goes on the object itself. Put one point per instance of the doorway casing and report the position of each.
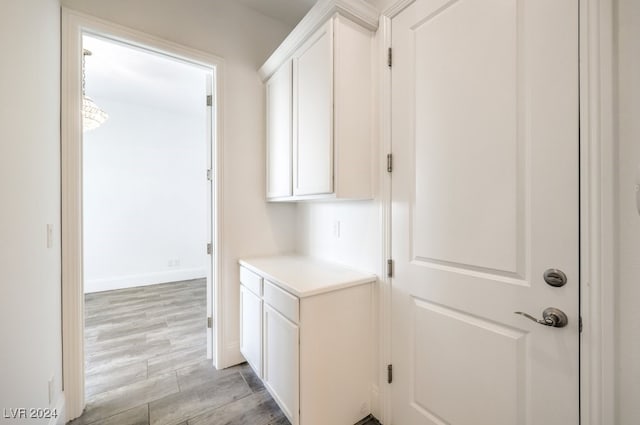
(74, 25)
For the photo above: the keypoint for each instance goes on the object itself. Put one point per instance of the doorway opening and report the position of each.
(113, 236)
(146, 208)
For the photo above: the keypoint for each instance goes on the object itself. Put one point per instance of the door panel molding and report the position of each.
(484, 165)
(442, 335)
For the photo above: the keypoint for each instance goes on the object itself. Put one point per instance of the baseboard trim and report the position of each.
(59, 407)
(375, 401)
(143, 279)
(231, 355)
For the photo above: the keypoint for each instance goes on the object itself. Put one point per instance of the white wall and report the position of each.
(244, 39)
(145, 194)
(31, 352)
(144, 181)
(346, 233)
(628, 290)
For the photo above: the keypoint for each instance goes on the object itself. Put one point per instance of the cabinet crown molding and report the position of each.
(358, 11)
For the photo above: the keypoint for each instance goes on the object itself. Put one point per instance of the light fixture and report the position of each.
(92, 115)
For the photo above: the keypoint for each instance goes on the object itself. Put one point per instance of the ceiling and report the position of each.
(289, 12)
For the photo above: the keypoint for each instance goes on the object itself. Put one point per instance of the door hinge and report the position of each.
(389, 162)
(209, 174)
(209, 322)
(209, 100)
(580, 324)
(209, 248)
(389, 374)
(389, 57)
(389, 268)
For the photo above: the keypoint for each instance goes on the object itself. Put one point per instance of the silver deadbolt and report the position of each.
(550, 317)
(555, 277)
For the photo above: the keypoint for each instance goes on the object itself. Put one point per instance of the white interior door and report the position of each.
(484, 200)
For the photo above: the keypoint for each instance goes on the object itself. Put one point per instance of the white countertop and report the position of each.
(304, 276)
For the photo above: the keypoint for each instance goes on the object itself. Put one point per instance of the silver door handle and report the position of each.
(550, 317)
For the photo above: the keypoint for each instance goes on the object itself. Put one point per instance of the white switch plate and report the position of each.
(336, 228)
(49, 235)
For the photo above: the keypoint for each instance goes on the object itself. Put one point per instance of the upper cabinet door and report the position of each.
(313, 114)
(279, 128)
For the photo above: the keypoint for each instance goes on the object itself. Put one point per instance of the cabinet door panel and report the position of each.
(281, 370)
(251, 329)
(313, 115)
(279, 128)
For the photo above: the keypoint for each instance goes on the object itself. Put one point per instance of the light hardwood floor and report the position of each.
(146, 363)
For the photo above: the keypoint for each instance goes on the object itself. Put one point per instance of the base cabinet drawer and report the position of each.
(251, 281)
(285, 303)
(281, 368)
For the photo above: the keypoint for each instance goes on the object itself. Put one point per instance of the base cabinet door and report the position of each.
(281, 367)
(251, 328)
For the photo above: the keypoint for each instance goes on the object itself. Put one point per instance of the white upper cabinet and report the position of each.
(319, 86)
(279, 132)
(313, 115)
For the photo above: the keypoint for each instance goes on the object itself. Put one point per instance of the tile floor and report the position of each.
(145, 360)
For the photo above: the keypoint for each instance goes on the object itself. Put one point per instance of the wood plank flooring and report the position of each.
(145, 360)
(145, 364)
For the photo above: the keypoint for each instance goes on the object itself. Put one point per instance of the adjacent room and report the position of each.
(147, 221)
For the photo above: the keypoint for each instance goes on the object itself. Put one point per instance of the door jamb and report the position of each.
(598, 252)
(74, 24)
(597, 209)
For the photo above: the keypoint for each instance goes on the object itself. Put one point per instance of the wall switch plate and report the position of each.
(49, 235)
(336, 228)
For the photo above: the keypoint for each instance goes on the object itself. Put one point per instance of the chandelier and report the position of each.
(92, 115)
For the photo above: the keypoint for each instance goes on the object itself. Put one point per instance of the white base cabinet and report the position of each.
(317, 341)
